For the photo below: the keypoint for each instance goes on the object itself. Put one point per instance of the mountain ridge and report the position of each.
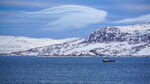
(131, 40)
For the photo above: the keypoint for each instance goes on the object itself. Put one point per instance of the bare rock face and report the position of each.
(140, 36)
(108, 34)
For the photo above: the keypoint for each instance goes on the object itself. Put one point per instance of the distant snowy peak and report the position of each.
(140, 32)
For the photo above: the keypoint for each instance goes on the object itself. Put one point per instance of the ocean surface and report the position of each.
(73, 70)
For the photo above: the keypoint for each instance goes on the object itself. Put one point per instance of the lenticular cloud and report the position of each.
(68, 17)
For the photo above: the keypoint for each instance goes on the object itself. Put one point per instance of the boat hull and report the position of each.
(109, 60)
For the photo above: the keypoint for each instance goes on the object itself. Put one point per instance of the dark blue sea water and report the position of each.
(73, 70)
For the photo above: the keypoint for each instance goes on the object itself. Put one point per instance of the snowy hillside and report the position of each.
(133, 28)
(92, 49)
(132, 40)
(19, 43)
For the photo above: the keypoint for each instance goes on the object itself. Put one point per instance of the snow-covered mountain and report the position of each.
(133, 33)
(132, 40)
(10, 44)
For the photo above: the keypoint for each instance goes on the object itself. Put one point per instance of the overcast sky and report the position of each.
(68, 18)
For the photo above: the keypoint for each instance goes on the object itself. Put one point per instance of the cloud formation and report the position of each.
(143, 18)
(68, 17)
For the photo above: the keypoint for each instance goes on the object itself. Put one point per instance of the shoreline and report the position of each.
(146, 56)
